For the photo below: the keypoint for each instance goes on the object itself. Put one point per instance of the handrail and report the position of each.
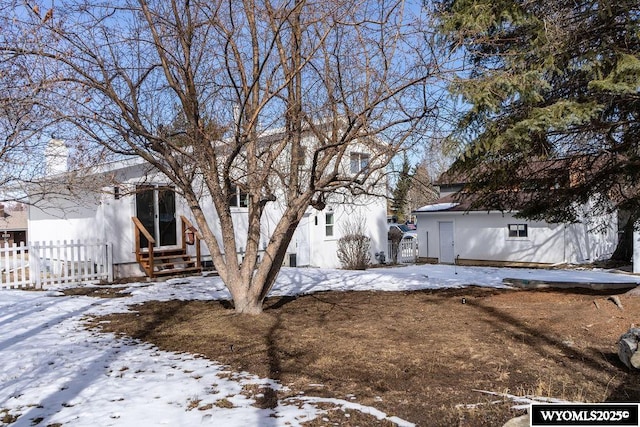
(143, 230)
(186, 224)
(151, 243)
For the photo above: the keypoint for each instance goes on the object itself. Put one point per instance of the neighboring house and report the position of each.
(137, 191)
(13, 226)
(451, 231)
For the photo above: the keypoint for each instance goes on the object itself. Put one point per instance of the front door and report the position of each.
(303, 249)
(446, 242)
(156, 209)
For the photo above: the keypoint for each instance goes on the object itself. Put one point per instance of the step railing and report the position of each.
(141, 229)
(191, 236)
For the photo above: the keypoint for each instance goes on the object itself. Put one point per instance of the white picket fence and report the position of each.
(39, 264)
(14, 266)
(407, 251)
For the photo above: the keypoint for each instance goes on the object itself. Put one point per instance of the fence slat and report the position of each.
(22, 263)
(4, 263)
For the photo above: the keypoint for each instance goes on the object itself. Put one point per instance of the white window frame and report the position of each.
(329, 224)
(359, 162)
(521, 231)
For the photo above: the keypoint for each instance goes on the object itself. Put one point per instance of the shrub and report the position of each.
(353, 246)
(353, 251)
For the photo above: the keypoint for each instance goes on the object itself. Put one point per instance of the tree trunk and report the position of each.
(250, 286)
(246, 302)
(624, 249)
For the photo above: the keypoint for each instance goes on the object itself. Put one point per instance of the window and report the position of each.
(239, 198)
(518, 230)
(329, 224)
(359, 162)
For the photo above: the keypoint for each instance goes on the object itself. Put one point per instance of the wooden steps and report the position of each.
(168, 262)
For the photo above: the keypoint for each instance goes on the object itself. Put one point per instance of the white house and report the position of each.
(449, 232)
(137, 191)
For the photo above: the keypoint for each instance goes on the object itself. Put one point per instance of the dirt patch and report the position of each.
(421, 356)
(97, 291)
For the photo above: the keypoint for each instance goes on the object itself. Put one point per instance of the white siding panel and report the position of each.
(484, 236)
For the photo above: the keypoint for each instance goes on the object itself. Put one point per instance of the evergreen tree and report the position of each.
(401, 190)
(555, 82)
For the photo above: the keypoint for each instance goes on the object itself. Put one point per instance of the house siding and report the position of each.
(103, 216)
(484, 236)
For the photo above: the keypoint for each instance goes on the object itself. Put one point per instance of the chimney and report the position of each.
(56, 156)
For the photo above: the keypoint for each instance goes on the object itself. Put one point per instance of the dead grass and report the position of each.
(98, 291)
(420, 356)
(224, 403)
(7, 418)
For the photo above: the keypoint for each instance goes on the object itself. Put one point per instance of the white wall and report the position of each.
(59, 219)
(484, 236)
(371, 211)
(323, 249)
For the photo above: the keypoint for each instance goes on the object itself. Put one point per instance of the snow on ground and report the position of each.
(53, 370)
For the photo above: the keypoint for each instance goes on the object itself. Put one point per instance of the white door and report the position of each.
(303, 248)
(446, 243)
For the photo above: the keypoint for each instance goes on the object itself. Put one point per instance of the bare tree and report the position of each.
(28, 124)
(270, 97)
(21, 122)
